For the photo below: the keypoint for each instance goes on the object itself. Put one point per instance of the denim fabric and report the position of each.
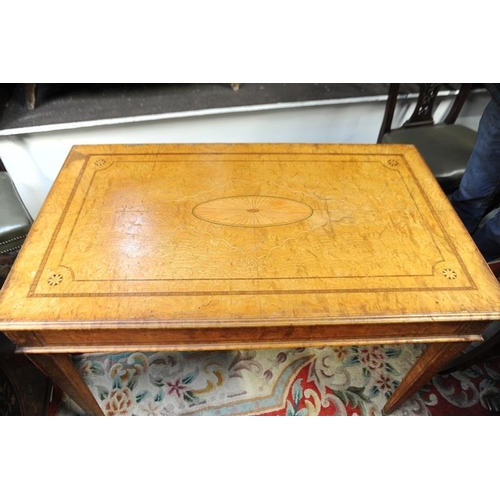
(481, 183)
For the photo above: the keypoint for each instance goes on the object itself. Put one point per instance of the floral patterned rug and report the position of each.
(333, 381)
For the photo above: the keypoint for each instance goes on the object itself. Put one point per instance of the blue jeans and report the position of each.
(481, 184)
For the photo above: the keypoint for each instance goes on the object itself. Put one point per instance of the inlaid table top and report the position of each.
(198, 247)
(244, 235)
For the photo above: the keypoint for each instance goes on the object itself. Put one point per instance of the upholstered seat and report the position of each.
(15, 221)
(446, 147)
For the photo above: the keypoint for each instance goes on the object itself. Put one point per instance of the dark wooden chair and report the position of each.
(445, 146)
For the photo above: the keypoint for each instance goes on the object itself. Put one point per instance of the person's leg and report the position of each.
(481, 180)
(487, 239)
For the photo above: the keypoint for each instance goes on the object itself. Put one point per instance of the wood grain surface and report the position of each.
(176, 247)
(177, 236)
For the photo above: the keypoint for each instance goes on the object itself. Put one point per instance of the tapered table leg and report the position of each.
(63, 372)
(434, 357)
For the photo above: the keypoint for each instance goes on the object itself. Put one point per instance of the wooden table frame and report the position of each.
(60, 367)
(81, 282)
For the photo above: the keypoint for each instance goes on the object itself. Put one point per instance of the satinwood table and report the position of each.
(201, 247)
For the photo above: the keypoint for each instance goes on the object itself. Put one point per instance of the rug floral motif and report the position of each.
(335, 381)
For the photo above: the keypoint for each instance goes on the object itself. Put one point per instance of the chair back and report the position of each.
(423, 113)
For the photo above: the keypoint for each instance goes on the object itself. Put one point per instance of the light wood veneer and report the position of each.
(191, 247)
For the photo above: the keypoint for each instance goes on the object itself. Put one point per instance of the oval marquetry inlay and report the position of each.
(252, 211)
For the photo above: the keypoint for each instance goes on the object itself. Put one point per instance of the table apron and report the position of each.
(206, 339)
